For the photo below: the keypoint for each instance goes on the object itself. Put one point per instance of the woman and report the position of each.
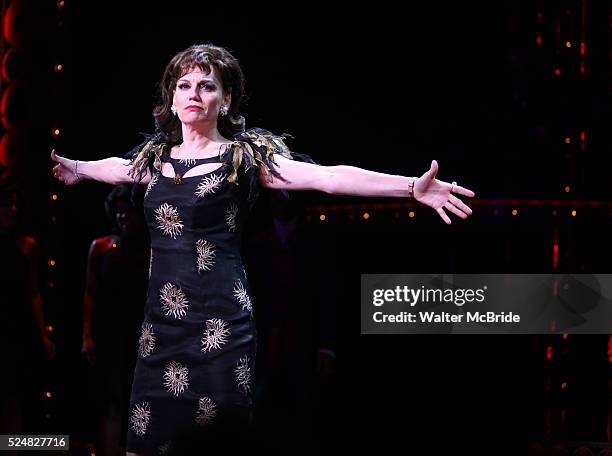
(197, 346)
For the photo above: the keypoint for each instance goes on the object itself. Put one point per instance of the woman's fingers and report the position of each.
(443, 215)
(58, 169)
(455, 210)
(59, 159)
(460, 204)
(461, 190)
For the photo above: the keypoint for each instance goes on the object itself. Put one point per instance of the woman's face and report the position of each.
(198, 97)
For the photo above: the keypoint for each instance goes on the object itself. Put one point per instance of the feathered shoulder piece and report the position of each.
(249, 150)
(255, 148)
(147, 155)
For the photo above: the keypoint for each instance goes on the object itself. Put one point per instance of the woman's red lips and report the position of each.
(193, 107)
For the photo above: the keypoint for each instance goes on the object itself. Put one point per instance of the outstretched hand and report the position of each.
(65, 169)
(439, 195)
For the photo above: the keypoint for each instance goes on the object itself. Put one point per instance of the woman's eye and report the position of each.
(207, 87)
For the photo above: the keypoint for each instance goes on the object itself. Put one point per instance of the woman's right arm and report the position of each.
(112, 170)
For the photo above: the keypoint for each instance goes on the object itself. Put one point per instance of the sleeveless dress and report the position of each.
(196, 352)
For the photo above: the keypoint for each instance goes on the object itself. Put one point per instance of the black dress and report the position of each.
(193, 380)
(196, 351)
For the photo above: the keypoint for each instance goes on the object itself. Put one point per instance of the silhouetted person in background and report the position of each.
(297, 324)
(117, 272)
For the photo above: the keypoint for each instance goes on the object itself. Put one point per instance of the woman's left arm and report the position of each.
(350, 180)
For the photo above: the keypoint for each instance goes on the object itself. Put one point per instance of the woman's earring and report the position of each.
(223, 111)
(173, 109)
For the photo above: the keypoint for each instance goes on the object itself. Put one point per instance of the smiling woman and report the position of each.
(203, 169)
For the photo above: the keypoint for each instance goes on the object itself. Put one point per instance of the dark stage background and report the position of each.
(489, 89)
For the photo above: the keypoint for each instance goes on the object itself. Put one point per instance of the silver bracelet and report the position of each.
(76, 169)
(411, 187)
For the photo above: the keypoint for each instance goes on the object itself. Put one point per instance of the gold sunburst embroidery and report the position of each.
(168, 220)
(207, 409)
(139, 420)
(242, 296)
(165, 448)
(243, 374)
(209, 185)
(176, 378)
(187, 161)
(215, 335)
(230, 216)
(174, 301)
(146, 342)
(206, 255)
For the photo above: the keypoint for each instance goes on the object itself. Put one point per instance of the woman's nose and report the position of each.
(194, 94)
